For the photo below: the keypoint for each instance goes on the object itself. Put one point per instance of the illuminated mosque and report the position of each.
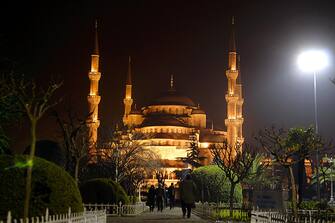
(172, 119)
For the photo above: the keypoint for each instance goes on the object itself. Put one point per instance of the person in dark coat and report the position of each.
(151, 197)
(171, 195)
(187, 195)
(160, 197)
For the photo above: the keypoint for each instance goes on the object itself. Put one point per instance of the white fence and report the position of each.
(119, 210)
(98, 216)
(310, 216)
(267, 217)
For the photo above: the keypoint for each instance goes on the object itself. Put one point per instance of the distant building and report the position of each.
(172, 119)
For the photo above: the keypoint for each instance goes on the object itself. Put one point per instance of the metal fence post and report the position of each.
(47, 215)
(9, 217)
(69, 215)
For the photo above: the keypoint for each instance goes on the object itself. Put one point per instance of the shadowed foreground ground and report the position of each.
(168, 216)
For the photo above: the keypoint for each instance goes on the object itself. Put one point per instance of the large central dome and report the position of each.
(172, 97)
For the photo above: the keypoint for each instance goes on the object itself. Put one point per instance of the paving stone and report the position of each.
(167, 216)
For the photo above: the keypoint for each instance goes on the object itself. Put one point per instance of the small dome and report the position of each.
(172, 97)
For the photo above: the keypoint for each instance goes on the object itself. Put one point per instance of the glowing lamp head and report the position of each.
(313, 60)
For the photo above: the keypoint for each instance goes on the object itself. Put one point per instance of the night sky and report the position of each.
(186, 38)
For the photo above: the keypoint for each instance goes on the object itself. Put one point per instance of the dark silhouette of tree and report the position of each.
(288, 148)
(235, 162)
(76, 142)
(124, 159)
(193, 153)
(33, 102)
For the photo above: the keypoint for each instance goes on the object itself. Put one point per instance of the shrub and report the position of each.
(215, 186)
(103, 191)
(52, 187)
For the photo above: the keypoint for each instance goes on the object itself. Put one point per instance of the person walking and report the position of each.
(187, 195)
(160, 197)
(151, 198)
(171, 195)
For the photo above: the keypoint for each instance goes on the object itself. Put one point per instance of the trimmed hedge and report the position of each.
(103, 191)
(214, 184)
(52, 187)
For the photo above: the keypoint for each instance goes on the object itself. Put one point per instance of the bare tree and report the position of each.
(33, 102)
(288, 148)
(126, 159)
(75, 140)
(235, 164)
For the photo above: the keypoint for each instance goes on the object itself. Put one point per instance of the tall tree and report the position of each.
(193, 157)
(125, 159)
(33, 102)
(235, 162)
(260, 175)
(75, 140)
(288, 148)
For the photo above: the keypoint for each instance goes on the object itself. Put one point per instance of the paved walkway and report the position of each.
(167, 216)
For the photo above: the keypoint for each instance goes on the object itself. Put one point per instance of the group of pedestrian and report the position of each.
(160, 195)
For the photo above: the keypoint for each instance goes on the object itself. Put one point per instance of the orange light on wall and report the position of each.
(205, 145)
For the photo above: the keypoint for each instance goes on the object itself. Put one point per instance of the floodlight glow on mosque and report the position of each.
(172, 121)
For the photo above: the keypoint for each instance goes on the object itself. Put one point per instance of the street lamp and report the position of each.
(312, 61)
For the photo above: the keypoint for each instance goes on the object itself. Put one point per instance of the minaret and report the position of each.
(128, 101)
(93, 98)
(234, 120)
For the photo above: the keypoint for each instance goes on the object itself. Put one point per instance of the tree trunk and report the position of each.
(30, 163)
(76, 171)
(231, 199)
(301, 180)
(293, 193)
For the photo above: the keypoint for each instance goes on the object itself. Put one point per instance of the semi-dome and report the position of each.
(172, 97)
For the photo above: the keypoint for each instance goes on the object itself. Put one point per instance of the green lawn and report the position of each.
(238, 215)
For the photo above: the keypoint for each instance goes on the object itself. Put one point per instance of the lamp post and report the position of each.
(331, 162)
(331, 200)
(312, 61)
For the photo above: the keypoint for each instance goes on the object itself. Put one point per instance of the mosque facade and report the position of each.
(173, 120)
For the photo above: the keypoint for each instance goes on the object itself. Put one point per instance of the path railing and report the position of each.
(304, 216)
(119, 210)
(97, 216)
(211, 210)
